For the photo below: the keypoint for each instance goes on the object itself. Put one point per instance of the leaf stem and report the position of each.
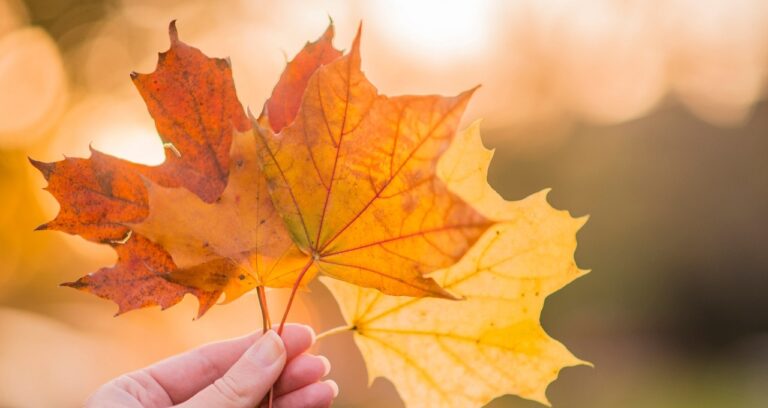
(267, 325)
(293, 293)
(265, 319)
(335, 330)
(285, 314)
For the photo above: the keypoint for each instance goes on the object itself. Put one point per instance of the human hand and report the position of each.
(230, 374)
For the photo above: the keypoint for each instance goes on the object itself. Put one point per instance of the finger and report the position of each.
(317, 395)
(184, 375)
(248, 380)
(300, 372)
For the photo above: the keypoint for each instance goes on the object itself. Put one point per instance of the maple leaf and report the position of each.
(193, 102)
(353, 176)
(97, 195)
(466, 353)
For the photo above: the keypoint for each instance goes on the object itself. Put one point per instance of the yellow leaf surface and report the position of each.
(354, 177)
(464, 354)
(234, 244)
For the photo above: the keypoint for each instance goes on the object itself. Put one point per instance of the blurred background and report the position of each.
(649, 115)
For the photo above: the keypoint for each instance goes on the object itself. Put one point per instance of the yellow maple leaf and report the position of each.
(465, 353)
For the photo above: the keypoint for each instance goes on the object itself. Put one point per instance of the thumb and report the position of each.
(248, 380)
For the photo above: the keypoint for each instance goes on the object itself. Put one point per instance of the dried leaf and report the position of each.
(192, 99)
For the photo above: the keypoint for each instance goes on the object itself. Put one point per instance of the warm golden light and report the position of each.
(681, 84)
(113, 125)
(33, 85)
(718, 56)
(435, 31)
(130, 142)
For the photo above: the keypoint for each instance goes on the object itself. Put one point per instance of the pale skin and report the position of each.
(230, 374)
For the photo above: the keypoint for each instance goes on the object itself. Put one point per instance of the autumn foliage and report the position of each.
(383, 194)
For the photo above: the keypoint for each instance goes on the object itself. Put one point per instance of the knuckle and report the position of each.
(231, 391)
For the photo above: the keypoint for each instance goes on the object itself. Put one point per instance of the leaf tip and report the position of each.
(42, 227)
(173, 32)
(92, 150)
(466, 95)
(582, 220)
(78, 284)
(45, 168)
(440, 292)
(463, 98)
(586, 363)
(356, 42)
(205, 302)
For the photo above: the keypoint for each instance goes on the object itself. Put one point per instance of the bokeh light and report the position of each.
(649, 115)
(719, 56)
(435, 31)
(33, 85)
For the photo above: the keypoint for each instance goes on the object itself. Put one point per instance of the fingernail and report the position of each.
(326, 364)
(311, 332)
(334, 387)
(268, 348)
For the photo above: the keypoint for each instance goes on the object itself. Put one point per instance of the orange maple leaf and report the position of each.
(193, 101)
(353, 176)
